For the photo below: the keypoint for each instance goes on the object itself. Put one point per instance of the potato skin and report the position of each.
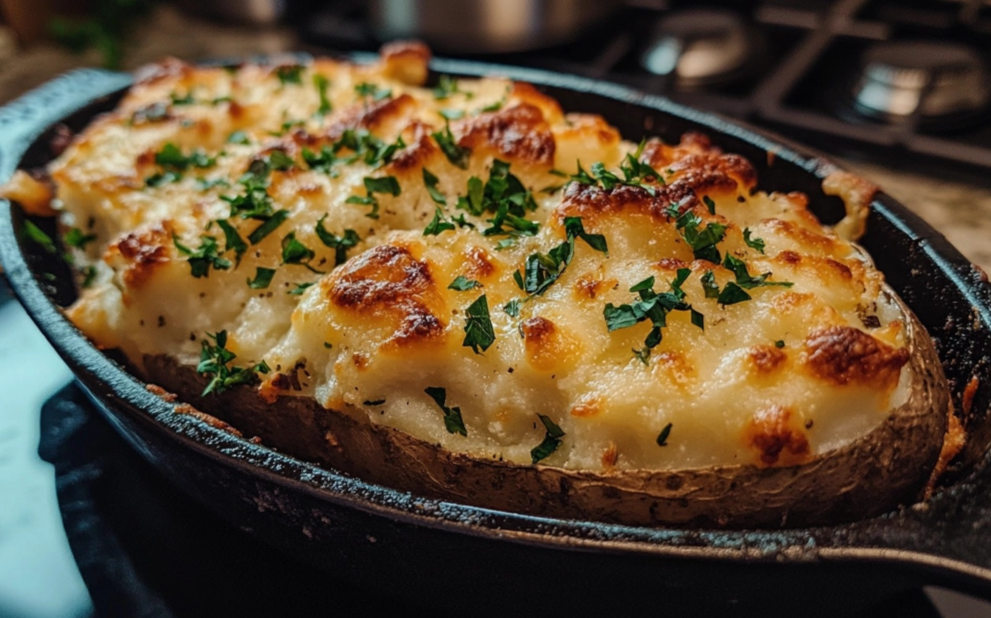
(872, 475)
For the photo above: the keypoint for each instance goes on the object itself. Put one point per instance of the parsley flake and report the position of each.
(232, 240)
(541, 270)
(75, 237)
(552, 440)
(752, 242)
(295, 252)
(662, 438)
(289, 74)
(300, 288)
(203, 258)
(430, 181)
(478, 326)
(39, 237)
(457, 155)
(463, 284)
(268, 226)
(438, 224)
(653, 307)
(373, 402)
(367, 89)
(512, 308)
(779, 344)
(340, 244)
(263, 277)
(216, 359)
(322, 83)
(452, 416)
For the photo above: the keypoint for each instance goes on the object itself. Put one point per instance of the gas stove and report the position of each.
(906, 82)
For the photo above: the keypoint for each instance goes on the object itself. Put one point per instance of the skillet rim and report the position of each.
(122, 393)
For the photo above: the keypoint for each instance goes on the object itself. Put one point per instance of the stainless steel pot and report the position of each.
(487, 26)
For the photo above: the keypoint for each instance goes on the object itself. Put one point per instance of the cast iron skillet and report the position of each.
(483, 562)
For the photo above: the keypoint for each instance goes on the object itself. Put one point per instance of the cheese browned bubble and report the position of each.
(804, 365)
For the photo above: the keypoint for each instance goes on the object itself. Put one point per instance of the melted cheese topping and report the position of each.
(774, 380)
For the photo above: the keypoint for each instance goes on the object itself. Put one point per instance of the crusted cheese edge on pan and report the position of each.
(268, 223)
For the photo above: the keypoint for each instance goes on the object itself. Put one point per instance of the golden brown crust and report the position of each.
(846, 355)
(773, 433)
(388, 281)
(518, 133)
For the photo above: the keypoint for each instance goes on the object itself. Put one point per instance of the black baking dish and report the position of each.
(483, 562)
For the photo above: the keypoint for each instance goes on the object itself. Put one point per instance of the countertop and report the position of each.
(961, 211)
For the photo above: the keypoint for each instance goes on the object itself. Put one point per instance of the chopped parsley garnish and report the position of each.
(732, 294)
(662, 438)
(386, 184)
(779, 343)
(451, 114)
(552, 440)
(232, 240)
(295, 252)
(438, 224)
(216, 359)
(463, 284)
(183, 100)
(255, 202)
(150, 113)
(709, 204)
(170, 157)
(452, 416)
(492, 107)
(752, 242)
(653, 307)
(238, 137)
(36, 235)
(75, 237)
(702, 240)
(745, 280)
(322, 83)
(89, 275)
(340, 244)
(709, 285)
(503, 196)
(543, 269)
(205, 184)
(430, 181)
(366, 89)
(512, 308)
(162, 178)
(363, 146)
(447, 86)
(203, 258)
(280, 161)
(300, 288)
(635, 174)
(457, 155)
(478, 326)
(289, 74)
(268, 226)
(373, 402)
(263, 277)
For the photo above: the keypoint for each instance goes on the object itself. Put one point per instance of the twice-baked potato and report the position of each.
(466, 293)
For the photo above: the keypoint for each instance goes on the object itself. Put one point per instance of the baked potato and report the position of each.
(466, 293)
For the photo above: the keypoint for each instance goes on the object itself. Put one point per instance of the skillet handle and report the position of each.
(27, 117)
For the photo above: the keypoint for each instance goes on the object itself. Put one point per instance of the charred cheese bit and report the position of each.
(778, 437)
(309, 199)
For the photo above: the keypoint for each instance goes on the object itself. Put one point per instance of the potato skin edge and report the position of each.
(872, 475)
